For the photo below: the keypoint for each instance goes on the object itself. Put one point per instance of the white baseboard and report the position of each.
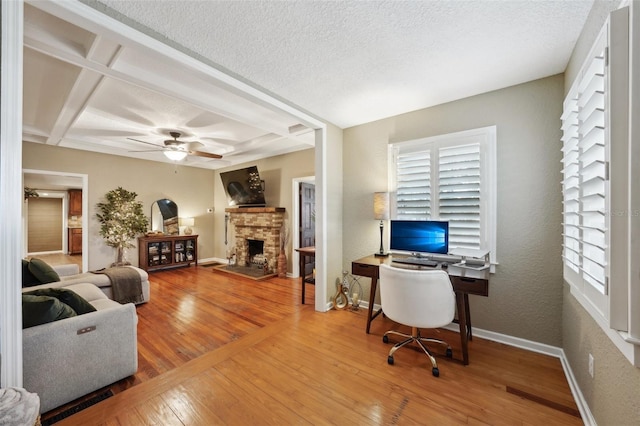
(542, 348)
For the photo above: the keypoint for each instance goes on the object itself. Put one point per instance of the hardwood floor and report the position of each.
(60, 259)
(220, 349)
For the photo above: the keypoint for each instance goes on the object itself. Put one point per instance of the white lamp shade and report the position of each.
(187, 221)
(381, 205)
(175, 155)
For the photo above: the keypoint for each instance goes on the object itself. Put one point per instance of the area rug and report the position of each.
(77, 408)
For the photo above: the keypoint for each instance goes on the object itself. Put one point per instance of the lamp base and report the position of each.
(381, 254)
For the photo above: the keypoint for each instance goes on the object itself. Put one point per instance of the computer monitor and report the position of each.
(420, 236)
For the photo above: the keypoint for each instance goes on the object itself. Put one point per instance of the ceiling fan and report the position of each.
(176, 150)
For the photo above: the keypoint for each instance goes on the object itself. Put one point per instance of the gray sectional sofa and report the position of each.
(72, 357)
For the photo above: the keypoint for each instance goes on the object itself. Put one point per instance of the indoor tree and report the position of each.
(121, 219)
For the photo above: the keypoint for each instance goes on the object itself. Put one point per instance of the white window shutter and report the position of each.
(584, 180)
(459, 180)
(413, 180)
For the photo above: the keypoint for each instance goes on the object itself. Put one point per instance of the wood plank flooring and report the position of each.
(220, 349)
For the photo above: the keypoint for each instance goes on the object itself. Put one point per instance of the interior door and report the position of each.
(307, 222)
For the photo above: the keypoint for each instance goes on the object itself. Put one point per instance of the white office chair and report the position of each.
(419, 298)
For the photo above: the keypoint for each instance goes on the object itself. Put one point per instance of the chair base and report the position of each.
(419, 340)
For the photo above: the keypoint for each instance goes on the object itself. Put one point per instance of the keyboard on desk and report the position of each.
(418, 261)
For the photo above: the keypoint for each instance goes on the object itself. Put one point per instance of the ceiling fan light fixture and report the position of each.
(175, 155)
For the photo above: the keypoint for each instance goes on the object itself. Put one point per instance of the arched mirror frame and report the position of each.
(164, 216)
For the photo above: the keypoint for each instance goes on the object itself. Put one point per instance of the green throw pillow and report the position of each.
(66, 296)
(43, 272)
(38, 310)
(28, 279)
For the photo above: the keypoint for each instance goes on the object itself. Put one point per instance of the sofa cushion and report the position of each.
(42, 271)
(87, 291)
(28, 279)
(38, 310)
(66, 296)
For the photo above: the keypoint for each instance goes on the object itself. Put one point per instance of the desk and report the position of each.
(305, 252)
(463, 287)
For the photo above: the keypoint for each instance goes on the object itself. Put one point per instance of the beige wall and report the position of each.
(191, 188)
(525, 297)
(278, 173)
(612, 394)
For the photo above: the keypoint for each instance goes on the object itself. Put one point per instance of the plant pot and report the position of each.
(282, 265)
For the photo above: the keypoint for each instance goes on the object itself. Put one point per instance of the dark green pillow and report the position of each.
(66, 296)
(38, 310)
(28, 279)
(42, 271)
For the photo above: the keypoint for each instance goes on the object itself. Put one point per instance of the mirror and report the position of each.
(164, 217)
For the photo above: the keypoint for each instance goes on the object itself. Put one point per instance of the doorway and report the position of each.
(52, 185)
(307, 238)
(304, 217)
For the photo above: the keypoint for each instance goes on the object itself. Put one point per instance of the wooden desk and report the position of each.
(463, 287)
(305, 252)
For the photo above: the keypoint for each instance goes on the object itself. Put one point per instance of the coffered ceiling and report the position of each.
(346, 62)
(93, 90)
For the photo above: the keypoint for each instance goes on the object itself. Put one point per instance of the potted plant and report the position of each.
(121, 219)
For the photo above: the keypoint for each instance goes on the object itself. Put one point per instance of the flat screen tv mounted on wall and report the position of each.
(243, 187)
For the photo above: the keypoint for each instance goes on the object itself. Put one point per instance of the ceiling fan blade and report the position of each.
(148, 143)
(149, 150)
(204, 154)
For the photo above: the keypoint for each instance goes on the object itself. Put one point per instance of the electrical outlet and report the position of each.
(591, 365)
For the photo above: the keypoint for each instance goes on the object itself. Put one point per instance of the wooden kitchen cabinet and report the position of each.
(75, 241)
(75, 202)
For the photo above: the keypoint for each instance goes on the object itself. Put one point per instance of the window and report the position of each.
(585, 179)
(449, 177)
(599, 213)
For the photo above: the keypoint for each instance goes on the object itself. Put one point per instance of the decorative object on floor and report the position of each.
(352, 288)
(77, 408)
(18, 407)
(282, 257)
(381, 213)
(187, 222)
(340, 300)
(121, 220)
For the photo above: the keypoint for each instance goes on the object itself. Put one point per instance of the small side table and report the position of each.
(305, 252)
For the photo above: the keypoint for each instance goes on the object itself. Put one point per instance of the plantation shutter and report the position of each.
(585, 174)
(413, 179)
(459, 194)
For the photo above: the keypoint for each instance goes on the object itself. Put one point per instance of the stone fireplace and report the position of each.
(255, 227)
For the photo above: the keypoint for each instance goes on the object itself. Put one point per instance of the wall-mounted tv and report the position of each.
(420, 236)
(244, 187)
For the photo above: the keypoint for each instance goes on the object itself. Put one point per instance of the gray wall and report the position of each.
(525, 297)
(191, 188)
(613, 393)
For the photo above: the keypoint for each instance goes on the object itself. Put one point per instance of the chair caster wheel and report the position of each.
(449, 353)
(435, 372)
(385, 339)
(390, 360)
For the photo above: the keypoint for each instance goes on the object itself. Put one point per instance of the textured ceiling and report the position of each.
(89, 85)
(351, 62)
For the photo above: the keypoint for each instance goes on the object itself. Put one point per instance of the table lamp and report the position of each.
(381, 213)
(187, 222)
